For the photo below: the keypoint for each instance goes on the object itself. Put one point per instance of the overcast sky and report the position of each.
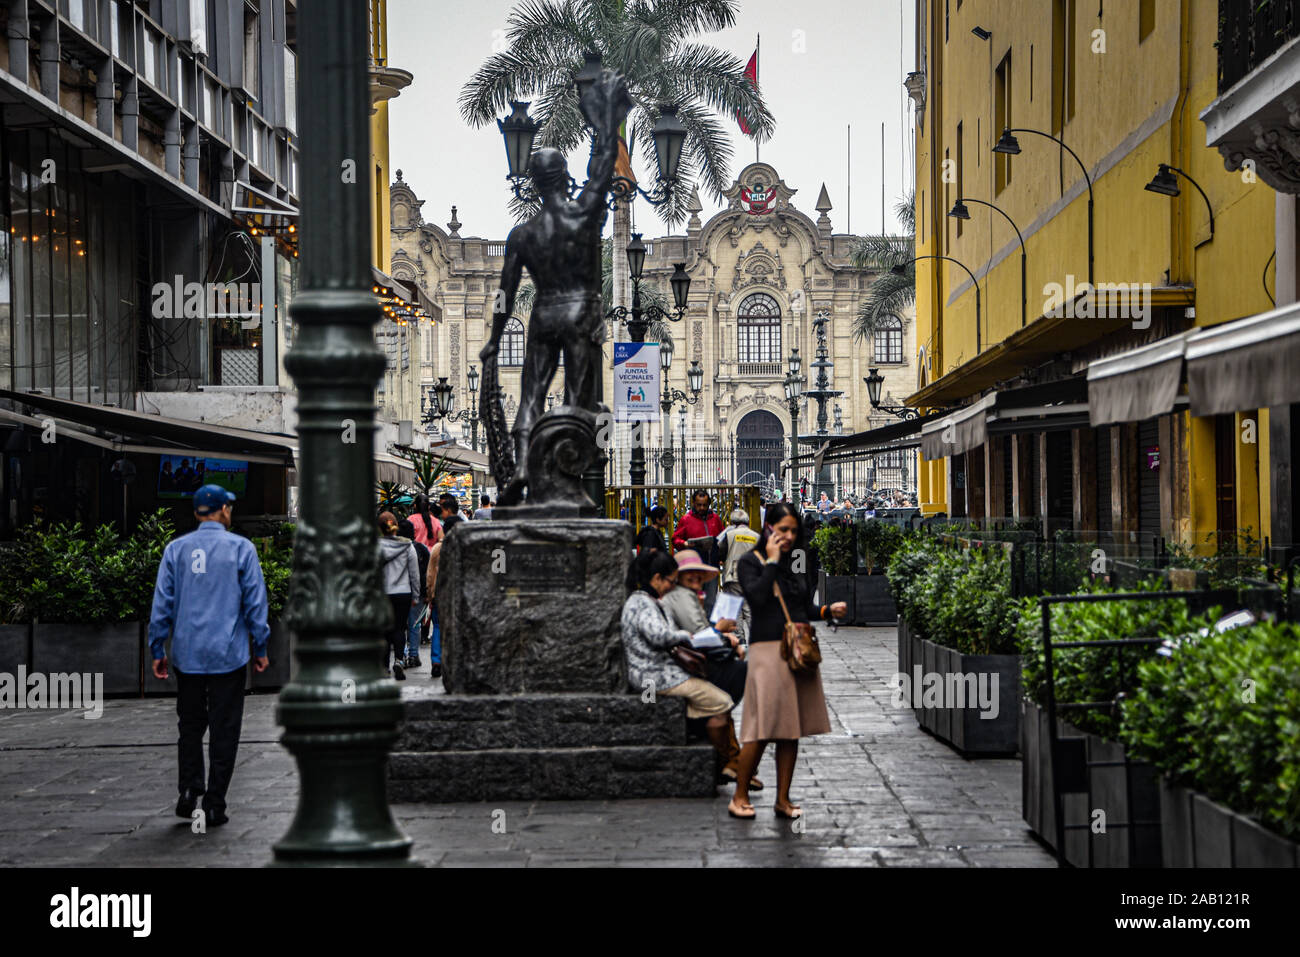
(823, 65)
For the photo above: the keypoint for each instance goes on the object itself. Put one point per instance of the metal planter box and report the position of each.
(279, 649)
(1128, 792)
(1198, 832)
(963, 727)
(15, 647)
(833, 588)
(116, 650)
(873, 601)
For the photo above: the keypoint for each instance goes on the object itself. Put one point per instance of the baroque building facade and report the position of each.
(762, 273)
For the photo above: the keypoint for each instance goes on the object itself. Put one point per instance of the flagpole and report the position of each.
(758, 39)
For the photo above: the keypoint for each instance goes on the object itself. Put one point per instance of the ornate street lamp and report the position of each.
(822, 393)
(1008, 145)
(340, 714)
(638, 324)
(519, 131)
(874, 382)
(793, 385)
(1165, 183)
(694, 381)
(959, 211)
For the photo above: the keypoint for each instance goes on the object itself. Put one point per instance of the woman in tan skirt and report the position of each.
(780, 706)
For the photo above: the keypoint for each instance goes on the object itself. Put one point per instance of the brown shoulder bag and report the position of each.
(799, 645)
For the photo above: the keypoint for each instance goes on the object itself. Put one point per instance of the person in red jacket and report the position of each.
(699, 529)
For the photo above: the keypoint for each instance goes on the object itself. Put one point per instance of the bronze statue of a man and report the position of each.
(560, 245)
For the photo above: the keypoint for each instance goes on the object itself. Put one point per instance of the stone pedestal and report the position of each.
(534, 606)
(538, 706)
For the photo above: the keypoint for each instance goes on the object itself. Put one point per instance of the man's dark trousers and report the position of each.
(212, 703)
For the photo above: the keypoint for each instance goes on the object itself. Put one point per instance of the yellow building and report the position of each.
(1073, 409)
(398, 397)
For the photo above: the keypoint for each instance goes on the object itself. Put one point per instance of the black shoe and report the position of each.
(188, 800)
(216, 816)
(413, 661)
(398, 673)
(435, 670)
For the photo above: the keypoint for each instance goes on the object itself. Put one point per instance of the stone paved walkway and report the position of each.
(877, 791)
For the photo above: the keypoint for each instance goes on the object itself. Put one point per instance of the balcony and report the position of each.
(1250, 31)
(760, 370)
(1254, 123)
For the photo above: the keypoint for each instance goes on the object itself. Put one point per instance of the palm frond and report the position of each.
(889, 296)
(706, 75)
(679, 18)
(881, 252)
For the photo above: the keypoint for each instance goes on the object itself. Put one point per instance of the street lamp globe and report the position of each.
(1007, 144)
(472, 376)
(443, 397)
(695, 376)
(795, 361)
(669, 136)
(589, 74)
(959, 210)
(874, 381)
(681, 283)
(1164, 182)
(666, 354)
(519, 131)
(635, 257)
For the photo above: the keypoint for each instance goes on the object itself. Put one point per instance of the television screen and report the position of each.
(180, 476)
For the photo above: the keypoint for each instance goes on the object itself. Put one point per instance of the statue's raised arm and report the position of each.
(605, 104)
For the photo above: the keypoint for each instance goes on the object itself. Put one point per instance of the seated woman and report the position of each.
(647, 636)
(726, 666)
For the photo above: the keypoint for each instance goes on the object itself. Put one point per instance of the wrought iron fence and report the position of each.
(1250, 31)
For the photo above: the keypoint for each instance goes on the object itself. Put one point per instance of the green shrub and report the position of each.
(1098, 673)
(834, 545)
(1221, 714)
(877, 542)
(64, 573)
(957, 598)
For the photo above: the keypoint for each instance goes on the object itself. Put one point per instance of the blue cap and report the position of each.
(210, 498)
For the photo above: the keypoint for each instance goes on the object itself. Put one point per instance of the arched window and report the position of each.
(512, 343)
(889, 340)
(758, 322)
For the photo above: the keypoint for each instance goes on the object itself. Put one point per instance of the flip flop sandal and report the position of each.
(743, 817)
(794, 813)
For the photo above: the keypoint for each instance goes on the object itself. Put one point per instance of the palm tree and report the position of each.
(890, 294)
(651, 43)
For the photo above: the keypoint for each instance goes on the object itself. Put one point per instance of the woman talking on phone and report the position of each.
(780, 705)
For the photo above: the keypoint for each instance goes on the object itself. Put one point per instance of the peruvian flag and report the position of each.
(751, 74)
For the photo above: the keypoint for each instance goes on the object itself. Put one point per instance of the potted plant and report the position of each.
(958, 669)
(1219, 715)
(1094, 770)
(877, 541)
(88, 596)
(834, 546)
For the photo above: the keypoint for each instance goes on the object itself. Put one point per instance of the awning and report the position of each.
(1047, 407)
(1244, 365)
(1138, 384)
(957, 431)
(408, 299)
(133, 431)
(887, 438)
(389, 468)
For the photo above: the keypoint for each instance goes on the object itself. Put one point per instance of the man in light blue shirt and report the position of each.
(210, 599)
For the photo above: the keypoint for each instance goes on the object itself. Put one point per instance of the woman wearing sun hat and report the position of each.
(726, 666)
